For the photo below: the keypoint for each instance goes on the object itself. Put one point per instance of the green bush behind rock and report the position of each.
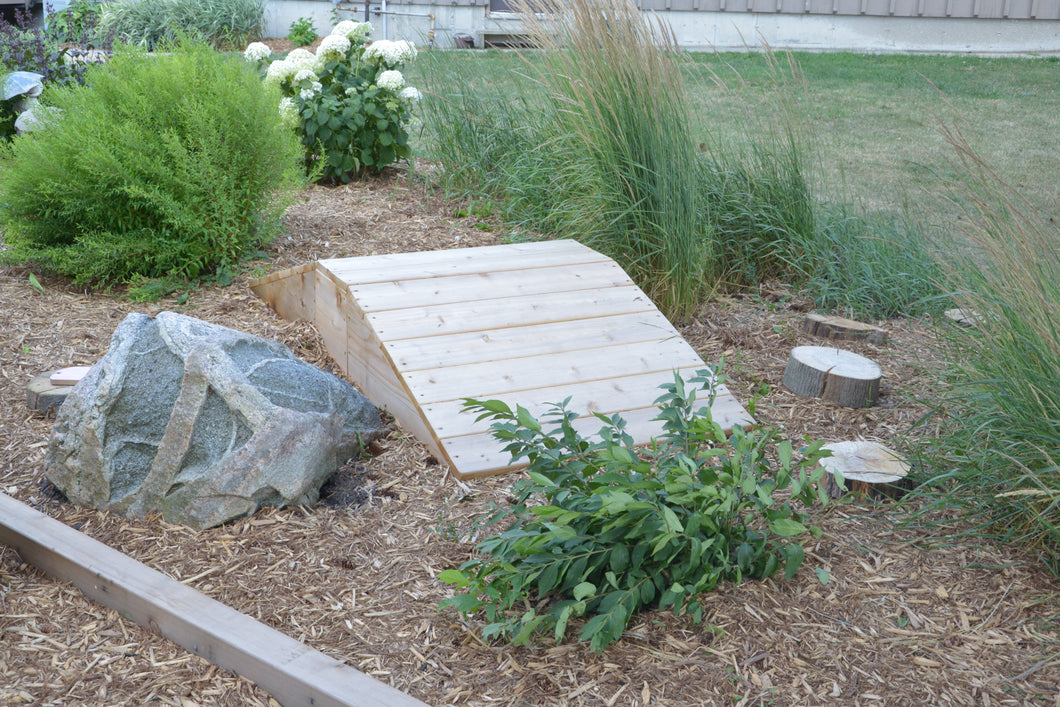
(170, 166)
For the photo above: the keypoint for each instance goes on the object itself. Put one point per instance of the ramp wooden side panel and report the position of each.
(291, 292)
(530, 324)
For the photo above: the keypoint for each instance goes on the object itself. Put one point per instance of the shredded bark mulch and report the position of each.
(900, 621)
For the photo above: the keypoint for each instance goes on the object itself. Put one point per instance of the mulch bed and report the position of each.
(899, 622)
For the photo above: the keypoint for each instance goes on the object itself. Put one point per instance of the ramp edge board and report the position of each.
(290, 671)
(291, 292)
(412, 329)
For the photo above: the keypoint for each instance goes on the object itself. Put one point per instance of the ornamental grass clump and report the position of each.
(171, 166)
(602, 529)
(148, 23)
(222, 23)
(997, 459)
(349, 102)
(624, 170)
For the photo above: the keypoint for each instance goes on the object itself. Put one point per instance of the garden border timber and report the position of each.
(290, 671)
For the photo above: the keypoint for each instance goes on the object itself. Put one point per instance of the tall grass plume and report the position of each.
(599, 147)
(999, 456)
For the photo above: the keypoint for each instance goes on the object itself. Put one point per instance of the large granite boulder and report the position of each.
(202, 423)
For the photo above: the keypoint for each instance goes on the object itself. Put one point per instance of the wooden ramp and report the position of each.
(527, 323)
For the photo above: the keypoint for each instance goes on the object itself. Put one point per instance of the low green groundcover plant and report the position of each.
(349, 102)
(601, 529)
(166, 167)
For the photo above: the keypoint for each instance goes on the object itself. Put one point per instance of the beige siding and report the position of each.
(957, 9)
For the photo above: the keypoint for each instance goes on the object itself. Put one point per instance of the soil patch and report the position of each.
(899, 621)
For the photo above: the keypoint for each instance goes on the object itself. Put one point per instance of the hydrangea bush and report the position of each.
(349, 101)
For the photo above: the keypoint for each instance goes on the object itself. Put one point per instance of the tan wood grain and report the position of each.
(402, 294)
(499, 344)
(460, 261)
(503, 312)
(529, 323)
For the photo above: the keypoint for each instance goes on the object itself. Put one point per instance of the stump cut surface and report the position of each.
(838, 328)
(868, 469)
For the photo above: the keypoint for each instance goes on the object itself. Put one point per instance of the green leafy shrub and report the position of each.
(348, 102)
(76, 22)
(24, 47)
(147, 23)
(602, 529)
(302, 32)
(162, 166)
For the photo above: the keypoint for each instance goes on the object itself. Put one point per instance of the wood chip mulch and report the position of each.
(899, 621)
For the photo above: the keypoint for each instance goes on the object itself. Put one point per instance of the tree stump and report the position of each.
(964, 317)
(43, 395)
(828, 327)
(868, 469)
(841, 377)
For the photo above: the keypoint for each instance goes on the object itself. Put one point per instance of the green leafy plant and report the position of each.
(349, 102)
(302, 32)
(166, 166)
(24, 47)
(602, 529)
(76, 22)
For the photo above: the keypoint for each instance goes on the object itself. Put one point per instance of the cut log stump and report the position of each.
(838, 328)
(868, 469)
(44, 395)
(842, 377)
(964, 317)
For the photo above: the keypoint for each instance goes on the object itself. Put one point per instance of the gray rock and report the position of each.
(202, 423)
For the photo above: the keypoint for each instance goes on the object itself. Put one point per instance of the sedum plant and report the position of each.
(349, 102)
(601, 529)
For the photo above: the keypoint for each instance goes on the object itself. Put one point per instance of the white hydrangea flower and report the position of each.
(305, 74)
(289, 112)
(410, 94)
(388, 54)
(390, 80)
(308, 93)
(277, 72)
(300, 59)
(407, 51)
(256, 51)
(334, 47)
(351, 29)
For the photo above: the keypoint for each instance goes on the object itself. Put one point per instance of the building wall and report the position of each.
(971, 26)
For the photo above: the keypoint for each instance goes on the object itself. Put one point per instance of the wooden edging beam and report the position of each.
(290, 671)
